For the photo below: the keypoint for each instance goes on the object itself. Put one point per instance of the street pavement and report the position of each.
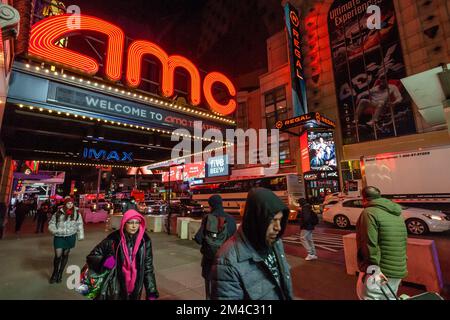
(329, 245)
(26, 265)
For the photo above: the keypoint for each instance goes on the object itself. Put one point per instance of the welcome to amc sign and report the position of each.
(100, 103)
(45, 34)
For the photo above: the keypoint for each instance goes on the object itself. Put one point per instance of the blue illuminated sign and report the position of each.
(218, 166)
(114, 156)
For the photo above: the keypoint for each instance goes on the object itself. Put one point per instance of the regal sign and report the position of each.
(292, 20)
(315, 118)
(47, 32)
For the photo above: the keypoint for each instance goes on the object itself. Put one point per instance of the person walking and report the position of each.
(381, 237)
(216, 228)
(22, 210)
(3, 210)
(252, 265)
(42, 216)
(129, 205)
(308, 221)
(127, 252)
(65, 225)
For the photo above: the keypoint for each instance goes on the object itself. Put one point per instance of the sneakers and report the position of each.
(311, 257)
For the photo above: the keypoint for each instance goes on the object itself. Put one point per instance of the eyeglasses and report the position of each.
(133, 222)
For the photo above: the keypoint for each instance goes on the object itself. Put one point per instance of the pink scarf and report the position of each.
(129, 266)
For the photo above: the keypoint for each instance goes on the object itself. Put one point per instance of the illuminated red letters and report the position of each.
(207, 91)
(47, 32)
(139, 48)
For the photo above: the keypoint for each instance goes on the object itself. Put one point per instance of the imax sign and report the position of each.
(114, 156)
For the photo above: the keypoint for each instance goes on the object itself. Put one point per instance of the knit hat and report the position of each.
(68, 199)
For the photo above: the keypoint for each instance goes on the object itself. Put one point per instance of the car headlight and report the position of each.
(434, 217)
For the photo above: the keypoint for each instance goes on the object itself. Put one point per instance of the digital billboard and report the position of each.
(322, 151)
(218, 166)
(187, 172)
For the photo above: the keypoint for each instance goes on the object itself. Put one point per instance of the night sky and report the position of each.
(176, 26)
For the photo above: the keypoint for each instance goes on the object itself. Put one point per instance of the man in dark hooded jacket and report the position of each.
(216, 204)
(252, 264)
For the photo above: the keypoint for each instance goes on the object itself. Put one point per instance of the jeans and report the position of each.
(40, 224)
(19, 221)
(374, 292)
(307, 241)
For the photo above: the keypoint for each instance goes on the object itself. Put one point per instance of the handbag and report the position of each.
(97, 286)
(91, 283)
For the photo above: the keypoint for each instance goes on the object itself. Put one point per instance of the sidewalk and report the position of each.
(26, 265)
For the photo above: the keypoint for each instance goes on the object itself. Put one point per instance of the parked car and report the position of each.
(346, 212)
(152, 207)
(186, 207)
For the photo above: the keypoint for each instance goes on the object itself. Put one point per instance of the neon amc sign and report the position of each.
(45, 34)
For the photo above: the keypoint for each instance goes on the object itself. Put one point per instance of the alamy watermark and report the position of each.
(374, 21)
(243, 147)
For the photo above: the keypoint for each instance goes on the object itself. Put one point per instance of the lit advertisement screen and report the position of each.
(322, 151)
(187, 172)
(304, 153)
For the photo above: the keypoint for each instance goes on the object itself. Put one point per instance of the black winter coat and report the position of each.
(215, 202)
(144, 266)
(307, 218)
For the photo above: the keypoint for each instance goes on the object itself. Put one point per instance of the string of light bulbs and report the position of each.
(120, 124)
(128, 94)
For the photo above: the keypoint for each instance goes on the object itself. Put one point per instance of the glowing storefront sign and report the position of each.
(116, 156)
(295, 58)
(47, 32)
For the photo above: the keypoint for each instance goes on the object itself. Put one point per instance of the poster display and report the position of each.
(368, 65)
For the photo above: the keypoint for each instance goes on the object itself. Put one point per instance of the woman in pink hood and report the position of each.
(127, 252)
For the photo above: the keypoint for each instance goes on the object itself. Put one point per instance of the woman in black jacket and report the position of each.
(127, 252)
(308, 221)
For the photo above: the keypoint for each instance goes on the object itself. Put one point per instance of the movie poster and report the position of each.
(322, 151)
(368, 65)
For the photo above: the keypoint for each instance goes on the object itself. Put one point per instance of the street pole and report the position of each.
(98, 186)
(168, 207)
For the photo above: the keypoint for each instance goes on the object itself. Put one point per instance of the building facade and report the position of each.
(9, 24)
(356, 75)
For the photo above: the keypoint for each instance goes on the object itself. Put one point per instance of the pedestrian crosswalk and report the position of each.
(325, 241)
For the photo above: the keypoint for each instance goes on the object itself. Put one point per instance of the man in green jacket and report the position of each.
(381, 239)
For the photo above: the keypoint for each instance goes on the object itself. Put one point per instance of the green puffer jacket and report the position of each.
(381, 238)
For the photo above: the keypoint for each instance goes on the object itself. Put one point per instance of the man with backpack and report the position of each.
(217, 227)
(308, 221)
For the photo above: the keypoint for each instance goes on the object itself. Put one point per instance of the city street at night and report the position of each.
(254, 155)
(177, 265)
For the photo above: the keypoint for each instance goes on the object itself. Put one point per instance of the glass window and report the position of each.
(242, 116)
(353, 204)
(270, 120)
(275, 106)
(285, 152)
(270, 108)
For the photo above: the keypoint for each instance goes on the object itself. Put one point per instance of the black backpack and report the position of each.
(314, 218)
(215, 234)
